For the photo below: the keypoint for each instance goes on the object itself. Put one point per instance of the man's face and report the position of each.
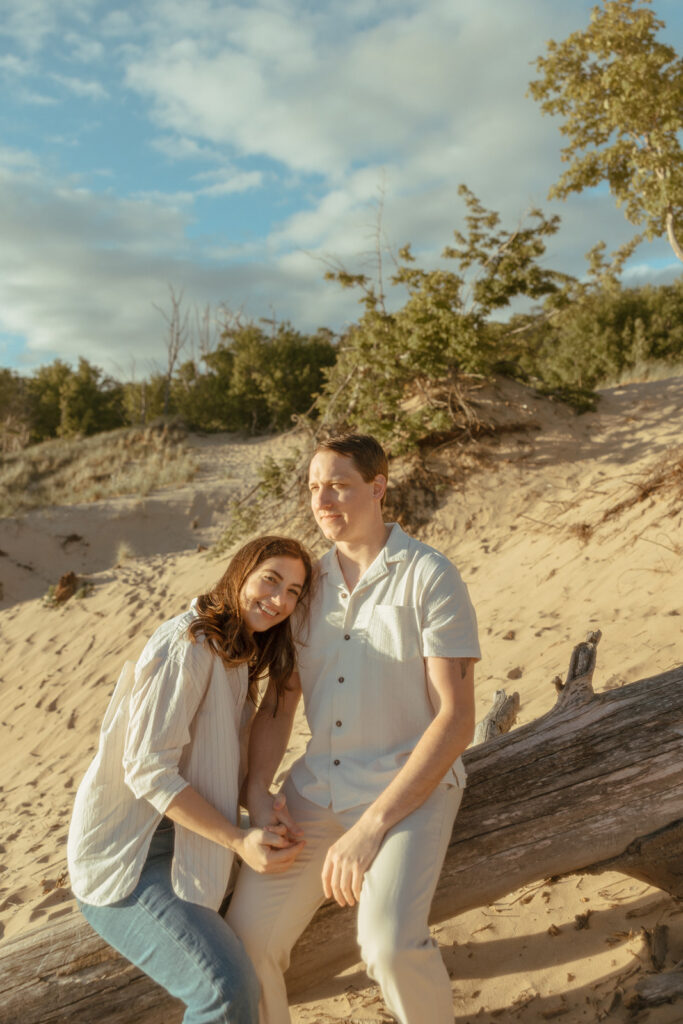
(345, 505)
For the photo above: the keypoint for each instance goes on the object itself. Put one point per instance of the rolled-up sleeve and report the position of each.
(165, 699)
(449, 622)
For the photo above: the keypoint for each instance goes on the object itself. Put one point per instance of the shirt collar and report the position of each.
(395, 550)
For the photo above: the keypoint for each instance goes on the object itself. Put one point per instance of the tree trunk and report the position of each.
(671, 235)
(596, 784)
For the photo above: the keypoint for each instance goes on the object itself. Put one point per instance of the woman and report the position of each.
(153, 833)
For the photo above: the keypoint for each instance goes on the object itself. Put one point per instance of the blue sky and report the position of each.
(229, 149)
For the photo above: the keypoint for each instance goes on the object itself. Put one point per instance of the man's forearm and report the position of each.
(269, 736)
(451, 687)
(439, 746)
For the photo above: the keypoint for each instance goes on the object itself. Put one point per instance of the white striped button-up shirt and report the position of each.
(176, 721)
(363, 673)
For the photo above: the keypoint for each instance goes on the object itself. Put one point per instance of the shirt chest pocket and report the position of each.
(393, 633)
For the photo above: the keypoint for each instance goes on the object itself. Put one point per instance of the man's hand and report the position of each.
(272, 813)
(266, 850)
(347, 861)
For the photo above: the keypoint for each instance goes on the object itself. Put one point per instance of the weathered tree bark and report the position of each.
(595, 784)
(658, 988)
(499, 719)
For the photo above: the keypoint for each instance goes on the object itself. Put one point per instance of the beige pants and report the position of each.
(269, 912)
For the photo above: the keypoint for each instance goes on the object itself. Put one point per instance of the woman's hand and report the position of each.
(270, 848)
(267, 850)
(271, 812)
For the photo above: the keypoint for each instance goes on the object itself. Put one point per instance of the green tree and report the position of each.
(44, 390)
(15, 423)
(396, 372)
(89, 402)
(620, 92)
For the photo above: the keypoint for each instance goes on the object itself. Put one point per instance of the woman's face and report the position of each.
(271, 591)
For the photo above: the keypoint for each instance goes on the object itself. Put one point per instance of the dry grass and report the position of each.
(666, 477)
(664, 480)
(68, 472)
(644, 370)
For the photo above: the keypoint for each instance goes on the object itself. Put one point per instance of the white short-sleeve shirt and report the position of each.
(363, 673)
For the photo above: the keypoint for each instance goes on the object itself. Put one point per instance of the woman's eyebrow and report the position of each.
(280, 577)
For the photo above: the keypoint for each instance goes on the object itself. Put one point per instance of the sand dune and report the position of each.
(560, 525)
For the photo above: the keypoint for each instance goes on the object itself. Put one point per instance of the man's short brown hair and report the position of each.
(366, 453)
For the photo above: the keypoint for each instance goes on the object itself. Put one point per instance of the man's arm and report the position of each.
(451, 688)
(268, 740)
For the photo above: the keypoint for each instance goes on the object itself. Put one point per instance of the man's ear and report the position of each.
(379, 486)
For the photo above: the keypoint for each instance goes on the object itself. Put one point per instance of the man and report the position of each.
(386, 671)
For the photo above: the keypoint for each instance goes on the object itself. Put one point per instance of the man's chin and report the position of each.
(331, 528)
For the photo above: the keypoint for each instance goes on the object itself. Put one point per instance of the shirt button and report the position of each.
(345, 595)
(337, 761)
(347, 636)
(338, 724)
(341, 679)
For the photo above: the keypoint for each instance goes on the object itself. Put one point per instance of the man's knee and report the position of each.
(388, 955)
(260, 936)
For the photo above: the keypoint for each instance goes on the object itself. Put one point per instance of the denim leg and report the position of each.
(187, 949)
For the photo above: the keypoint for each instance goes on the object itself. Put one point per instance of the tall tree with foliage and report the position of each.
(396, 372)
(620, 92)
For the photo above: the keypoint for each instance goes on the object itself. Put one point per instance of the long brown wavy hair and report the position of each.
(221, 625)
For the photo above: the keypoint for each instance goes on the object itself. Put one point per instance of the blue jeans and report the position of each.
(187, 949)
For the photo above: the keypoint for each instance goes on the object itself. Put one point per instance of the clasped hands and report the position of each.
(282, 841)
(275, 840)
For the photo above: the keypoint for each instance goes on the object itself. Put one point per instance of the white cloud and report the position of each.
(30, 23)
(223, 181)
(81, 88)
(83, 48)
(239, 182)
(179, 147)
(312, 91)
(10, 64)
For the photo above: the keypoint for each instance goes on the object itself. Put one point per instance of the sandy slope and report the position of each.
(550, 529)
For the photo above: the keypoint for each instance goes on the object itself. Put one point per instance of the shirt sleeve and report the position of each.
(165, 699)
(449, 622)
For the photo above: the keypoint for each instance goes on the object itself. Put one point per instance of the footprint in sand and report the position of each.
(62, 912)
(57, 897)
(14, 899)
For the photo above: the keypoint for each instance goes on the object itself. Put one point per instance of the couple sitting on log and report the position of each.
(381, 638)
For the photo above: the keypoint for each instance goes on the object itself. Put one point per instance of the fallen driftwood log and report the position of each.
(658, 988)
(596, 784)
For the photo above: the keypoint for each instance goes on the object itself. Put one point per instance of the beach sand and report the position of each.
(559, 525)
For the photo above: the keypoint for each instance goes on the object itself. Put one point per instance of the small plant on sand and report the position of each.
(124, 553)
